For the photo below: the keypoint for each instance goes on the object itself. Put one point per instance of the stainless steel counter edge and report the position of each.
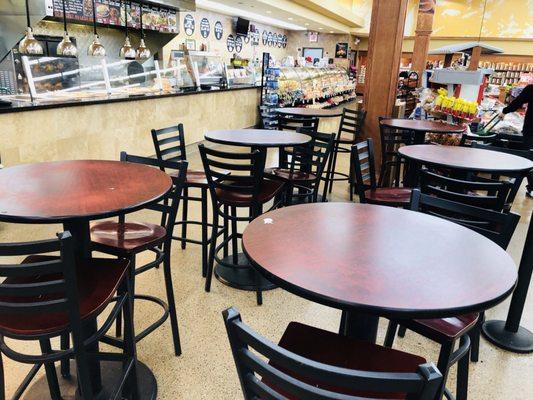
(30, 107)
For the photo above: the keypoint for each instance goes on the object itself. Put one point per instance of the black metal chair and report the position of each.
(50, 296)
(499, 227)
(484, 193)
(363, 179)
(310, 363)
(125, 239)
(391, 162)
(169, 145)
(350, 132)
(293, 123)
(244, 187)
(303, 168)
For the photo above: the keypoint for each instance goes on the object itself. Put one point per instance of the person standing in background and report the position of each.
(525, 97)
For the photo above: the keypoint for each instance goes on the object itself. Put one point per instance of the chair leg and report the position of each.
(225, 251)
(328, 176)
(204, 232)
(234, 243)
(184, 217)
(401, 331)
(65, 363)
(2, 383)
(212, 247)
(171, 305)
(443, 364)
(475, 335)
(130, 389)
(51, 375)
(462, 374)
(259, 292)
(333, 166)
(391, 334)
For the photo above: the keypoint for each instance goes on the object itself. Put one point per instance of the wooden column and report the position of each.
(424, 27)
(383, 65)
(474, 60)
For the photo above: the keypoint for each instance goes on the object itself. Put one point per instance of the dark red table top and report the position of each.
(311, 112)
(379, 260)
(423, 125)
(466, 158)
(257, 137)
(65, 190)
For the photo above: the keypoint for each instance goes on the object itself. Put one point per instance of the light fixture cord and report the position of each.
(64, 17)
(142, 30)
(126, 16)
(94, 16)
(28, 13)
(482, 20)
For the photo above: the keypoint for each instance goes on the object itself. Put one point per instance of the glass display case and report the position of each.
(242, 76)
(313, 84)
(208, 69)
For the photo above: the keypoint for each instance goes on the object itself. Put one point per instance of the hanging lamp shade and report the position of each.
(127, 50)
(96, 49)
(143, 52)
(29, 45)
(66, 47)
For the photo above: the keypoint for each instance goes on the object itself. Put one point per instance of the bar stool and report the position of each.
(350, 131)
(244, 187)
(391, 162)
(169, 145)
(51, 296)
(126, 239)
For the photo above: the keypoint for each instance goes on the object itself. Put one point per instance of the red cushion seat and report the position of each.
(286, 175)
(269, 189)
(443, 328)
(340, 351)
(129, 237)
(389, 196)
(98, 280)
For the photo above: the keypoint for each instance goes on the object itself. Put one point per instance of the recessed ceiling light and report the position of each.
(320, 28)
(269, 12)
(306, 24)
(331, 32)
(290, 18)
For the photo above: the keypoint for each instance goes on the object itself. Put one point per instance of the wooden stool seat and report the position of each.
(389, 196)
(194, 178)
(98, 280)
(341, 351)
(449, 328)
(286, 175)
(128, 237)
(269, 189)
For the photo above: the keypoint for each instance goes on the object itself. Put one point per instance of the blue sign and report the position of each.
(205, 27)
(188, 24)
(219, 30)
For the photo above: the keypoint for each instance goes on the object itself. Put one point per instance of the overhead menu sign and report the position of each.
(112, 12)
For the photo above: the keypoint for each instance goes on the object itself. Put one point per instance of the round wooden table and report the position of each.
(421, 127)
(73, 193)
(466, 158)
(311, 112)
(257, 138)
(372, 261)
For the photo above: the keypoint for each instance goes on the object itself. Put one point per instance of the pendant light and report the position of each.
(127, 50)
(29, 45)
(143, 52)
(96, 49)
(66, 47)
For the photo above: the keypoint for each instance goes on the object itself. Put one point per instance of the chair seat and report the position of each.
(98, 280)
(269, 189)
(340, 351)
(389, 196)
(444, 328)
(193, 178)
(129, 237)
(286, 175)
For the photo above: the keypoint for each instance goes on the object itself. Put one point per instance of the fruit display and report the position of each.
(320, 86)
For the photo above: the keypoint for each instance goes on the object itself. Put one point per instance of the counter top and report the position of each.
(25, 106)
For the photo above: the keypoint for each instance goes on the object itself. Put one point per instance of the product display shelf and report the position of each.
(269, 94)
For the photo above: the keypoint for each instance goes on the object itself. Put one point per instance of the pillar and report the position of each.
(383, 65)
(424, 27)
(474, 60)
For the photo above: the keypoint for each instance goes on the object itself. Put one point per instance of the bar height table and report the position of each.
(73, 193)
(421, 127)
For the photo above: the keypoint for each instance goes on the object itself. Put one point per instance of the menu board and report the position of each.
(112, 12)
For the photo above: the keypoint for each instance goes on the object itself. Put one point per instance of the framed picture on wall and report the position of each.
(313, 53)
(313, 37)
(341, 50)
(190, 44)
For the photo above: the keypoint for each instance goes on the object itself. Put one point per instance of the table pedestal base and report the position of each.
(517, 342)
(111, 372)
(359, 326)
(243, 278)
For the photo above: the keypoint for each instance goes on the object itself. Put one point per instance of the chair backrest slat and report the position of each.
(364, 172)
(335, 382)
(290, 123)
(169, 143)
(496, 226)
(352, 123)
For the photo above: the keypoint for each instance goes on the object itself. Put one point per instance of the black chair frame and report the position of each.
(422, 385)
(65, 300)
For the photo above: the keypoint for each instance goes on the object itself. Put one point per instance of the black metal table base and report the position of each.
(111, 372)
(359, 326)
(518, 342)
(243, 278)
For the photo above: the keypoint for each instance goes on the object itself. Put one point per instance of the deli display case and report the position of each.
(208, 69)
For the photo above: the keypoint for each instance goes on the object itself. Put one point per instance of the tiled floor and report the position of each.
(206, 369)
